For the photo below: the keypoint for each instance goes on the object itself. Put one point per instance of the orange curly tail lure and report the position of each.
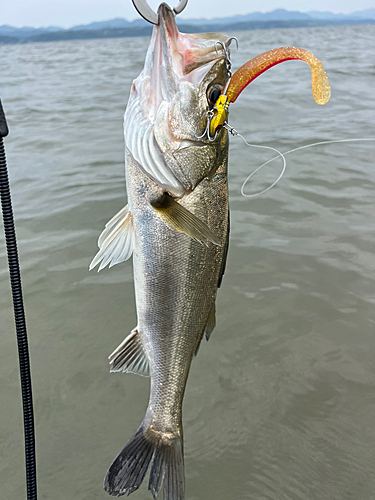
(321, 88)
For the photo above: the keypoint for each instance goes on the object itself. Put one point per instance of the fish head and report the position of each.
(168, 106)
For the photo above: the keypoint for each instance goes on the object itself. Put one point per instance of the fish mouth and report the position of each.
(167, 20)
(173, 58)
(183, 54)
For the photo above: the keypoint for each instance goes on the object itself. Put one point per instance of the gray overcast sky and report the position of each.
(67, 13)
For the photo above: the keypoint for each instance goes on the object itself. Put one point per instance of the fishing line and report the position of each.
(234, 132)
(282, 155)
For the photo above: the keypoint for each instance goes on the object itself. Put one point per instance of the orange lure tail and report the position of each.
(321, 88)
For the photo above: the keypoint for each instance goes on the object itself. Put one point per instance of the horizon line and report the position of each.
(182, 18)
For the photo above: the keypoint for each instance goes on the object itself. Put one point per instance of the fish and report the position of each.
(176, 227)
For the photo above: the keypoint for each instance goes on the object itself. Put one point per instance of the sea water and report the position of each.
(280, 403)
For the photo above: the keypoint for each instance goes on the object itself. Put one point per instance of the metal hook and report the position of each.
(230, 41)
(226, 55)
(145, 11)
(220, 111)
(180, 7)
(210, 115)
(225, 49)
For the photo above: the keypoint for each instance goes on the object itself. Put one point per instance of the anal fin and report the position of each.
(180, 218)
(129, 357)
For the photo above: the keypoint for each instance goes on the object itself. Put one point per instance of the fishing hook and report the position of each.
(225, 49)
(224, 107)
(145, 11)
(210, 115)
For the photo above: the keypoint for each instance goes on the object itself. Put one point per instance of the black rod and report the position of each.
(19, 316)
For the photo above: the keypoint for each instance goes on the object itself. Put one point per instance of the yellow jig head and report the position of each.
(220, 114)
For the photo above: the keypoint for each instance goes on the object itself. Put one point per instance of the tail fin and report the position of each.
(129, 468)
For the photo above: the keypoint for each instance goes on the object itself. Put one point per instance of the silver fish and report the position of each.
(176, 226)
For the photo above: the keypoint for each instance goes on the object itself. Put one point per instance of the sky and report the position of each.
(68, 13)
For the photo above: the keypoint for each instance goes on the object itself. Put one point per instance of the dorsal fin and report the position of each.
(225, 255)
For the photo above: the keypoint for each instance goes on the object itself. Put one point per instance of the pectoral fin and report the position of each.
(116, 242)
(180, 218)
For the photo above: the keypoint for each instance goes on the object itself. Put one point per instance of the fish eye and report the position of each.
(213, 94)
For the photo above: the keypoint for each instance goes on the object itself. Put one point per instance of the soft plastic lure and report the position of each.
(321, 88)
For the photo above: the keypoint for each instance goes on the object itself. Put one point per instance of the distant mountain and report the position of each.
(25, 32)
(121, 27)
(365, 14)
(360, 14)
(275, 15)
(113, 23)
(8, 39)
(283, 15)
(91, 34)
(315, 14)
